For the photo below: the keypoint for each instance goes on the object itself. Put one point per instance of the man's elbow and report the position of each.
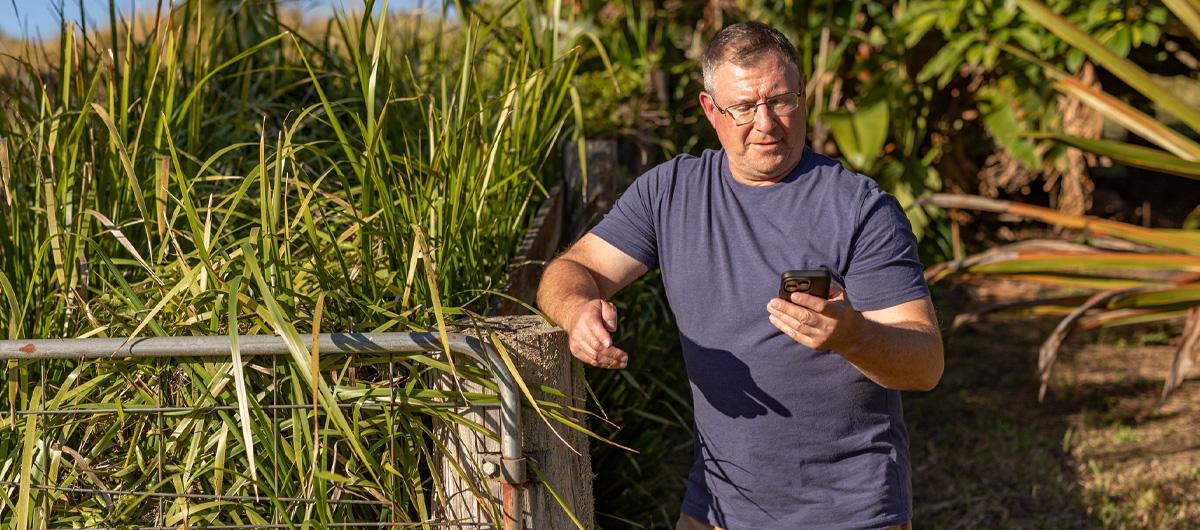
(929, 378)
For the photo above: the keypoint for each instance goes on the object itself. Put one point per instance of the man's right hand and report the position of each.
(573, 293)
(590, 335)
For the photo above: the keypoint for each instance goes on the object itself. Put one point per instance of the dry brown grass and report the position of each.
(1097, 453)
(143, 25)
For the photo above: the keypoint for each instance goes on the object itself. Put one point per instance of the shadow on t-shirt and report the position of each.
(726, 383)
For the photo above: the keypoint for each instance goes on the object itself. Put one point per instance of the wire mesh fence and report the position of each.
(189, 432)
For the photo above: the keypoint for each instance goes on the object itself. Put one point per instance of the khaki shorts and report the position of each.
(687, 522)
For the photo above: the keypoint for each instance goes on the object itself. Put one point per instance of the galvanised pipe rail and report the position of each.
(290, 526)
(204, 409)
(512, 473)
(195, 496)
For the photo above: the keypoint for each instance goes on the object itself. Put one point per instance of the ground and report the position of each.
(1097, 453)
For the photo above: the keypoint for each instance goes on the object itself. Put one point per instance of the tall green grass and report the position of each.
(211, 169)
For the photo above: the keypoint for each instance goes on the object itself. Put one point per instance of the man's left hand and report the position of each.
(815, 322)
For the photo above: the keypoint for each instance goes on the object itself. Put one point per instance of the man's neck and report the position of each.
(765, 181)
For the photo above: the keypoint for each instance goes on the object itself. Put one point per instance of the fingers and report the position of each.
(796, 317)
(810, 314)
(606, 357)
(612, 357)
(803, 325)
(809, 301)
(792, 332)
(590, 340)
(608, 312)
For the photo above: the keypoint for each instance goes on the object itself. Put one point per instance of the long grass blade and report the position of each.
(5, 172)
(431, 280)
(28, 448)
(1048, 353)
(1135, 120)
(545, 482)
(54, 231)
(1071, 261)
(1188, 12)
(10, 299)
(117, 233)
(316, 376)
(1160, 238)
(119, 145)
(1134, 155)
(300, 355)
(1187, 356)
(239, 378)
(160, 196)
(1164, 296)
(184, 284)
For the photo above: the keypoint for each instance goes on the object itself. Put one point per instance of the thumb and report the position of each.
(608, 312)
(836, 292)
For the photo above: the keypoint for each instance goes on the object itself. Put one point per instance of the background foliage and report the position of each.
(230, 167)
(925, 96)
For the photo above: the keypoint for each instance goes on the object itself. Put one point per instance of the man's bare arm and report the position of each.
(574, 293)
(899, 347)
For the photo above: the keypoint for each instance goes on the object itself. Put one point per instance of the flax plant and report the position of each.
(1154, 275)
(215, 169)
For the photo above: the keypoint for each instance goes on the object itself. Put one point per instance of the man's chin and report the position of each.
(772, 169)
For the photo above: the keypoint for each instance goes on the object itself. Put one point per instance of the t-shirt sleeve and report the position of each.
(884, 269)
(630, 224)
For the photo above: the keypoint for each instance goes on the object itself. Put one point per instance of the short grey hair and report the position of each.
(742, 43)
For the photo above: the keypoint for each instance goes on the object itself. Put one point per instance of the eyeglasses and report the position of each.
(780, 105)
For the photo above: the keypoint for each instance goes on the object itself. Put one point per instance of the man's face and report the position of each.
(765, 150)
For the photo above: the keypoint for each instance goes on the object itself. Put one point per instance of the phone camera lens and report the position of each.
(793, 286)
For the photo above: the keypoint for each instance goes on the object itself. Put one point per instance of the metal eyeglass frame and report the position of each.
(753, 107)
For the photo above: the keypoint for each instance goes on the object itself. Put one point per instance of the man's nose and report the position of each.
(764, 119)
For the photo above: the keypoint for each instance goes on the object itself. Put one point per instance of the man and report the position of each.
(798, 422)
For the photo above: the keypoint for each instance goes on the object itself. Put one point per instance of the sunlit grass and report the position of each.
(220, 173)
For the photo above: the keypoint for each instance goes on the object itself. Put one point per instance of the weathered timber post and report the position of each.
(560, 454)
(590, 200)
(478, 492)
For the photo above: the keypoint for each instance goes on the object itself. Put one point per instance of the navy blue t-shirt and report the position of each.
(786, 437)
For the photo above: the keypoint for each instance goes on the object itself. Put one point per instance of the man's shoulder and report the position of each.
(670, 176)
(832, 173)
(687, 165)
(842, 186)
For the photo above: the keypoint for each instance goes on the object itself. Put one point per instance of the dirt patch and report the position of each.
(1096, 453)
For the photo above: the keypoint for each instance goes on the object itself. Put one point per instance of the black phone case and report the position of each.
(818, 282)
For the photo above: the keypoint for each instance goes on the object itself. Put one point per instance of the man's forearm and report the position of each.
(565, 286)
(900, 356)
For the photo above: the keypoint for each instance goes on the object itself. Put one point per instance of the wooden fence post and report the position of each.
(588, 203)
(540, 352)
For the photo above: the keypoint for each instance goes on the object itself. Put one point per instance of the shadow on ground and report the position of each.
(985, 454)
(1095, 454)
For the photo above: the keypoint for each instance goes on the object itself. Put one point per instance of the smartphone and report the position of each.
(814, 282)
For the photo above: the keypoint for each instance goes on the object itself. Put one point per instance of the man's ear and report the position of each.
(710, 108)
